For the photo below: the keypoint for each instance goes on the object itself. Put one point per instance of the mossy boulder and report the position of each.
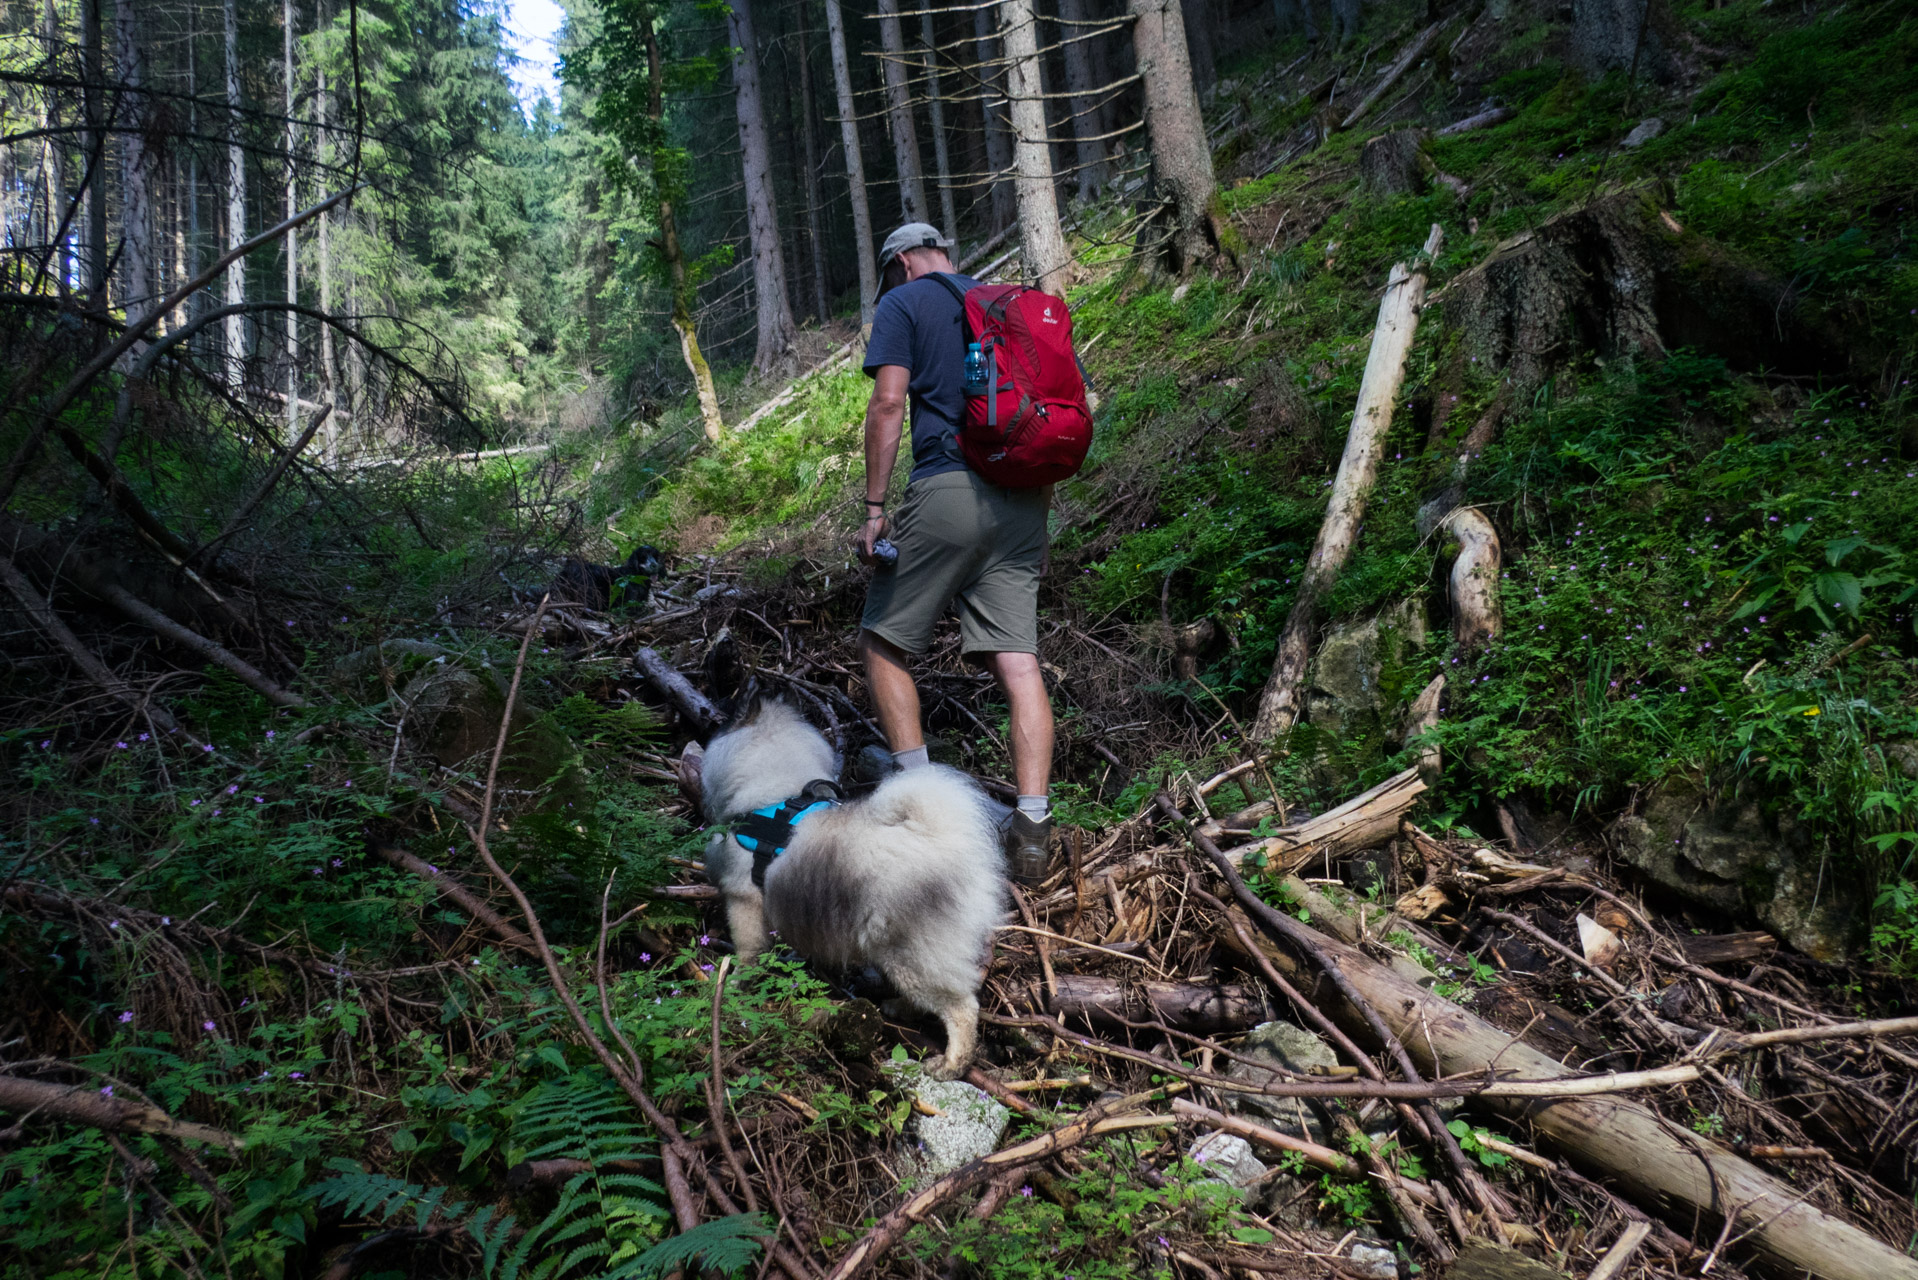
(1733, 857)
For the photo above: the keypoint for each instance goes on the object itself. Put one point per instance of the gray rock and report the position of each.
(1903, 756)
(1227, 1158)
(1647, 130)
(969, 1124)
(1348, 693)
(1295, 1051)
(1370, 1258)
(1731, 857)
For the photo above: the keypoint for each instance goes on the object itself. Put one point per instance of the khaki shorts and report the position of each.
(962, 539)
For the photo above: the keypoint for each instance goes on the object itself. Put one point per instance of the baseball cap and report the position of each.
(914, 235)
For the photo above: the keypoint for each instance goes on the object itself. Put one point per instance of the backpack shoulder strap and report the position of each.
(952, 286)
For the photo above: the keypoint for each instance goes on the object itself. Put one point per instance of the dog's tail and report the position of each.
(939, 802)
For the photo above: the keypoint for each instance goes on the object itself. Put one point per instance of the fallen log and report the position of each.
(99, 1109)
(1406, 61)
(1200, 1007)
(1483, 120)
(1368, 819)
(1351, 487)
(678, 690)
(1686, 1176)
(1727, 948)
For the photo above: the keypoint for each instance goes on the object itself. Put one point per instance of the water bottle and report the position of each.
(975, 370)
(883, 552)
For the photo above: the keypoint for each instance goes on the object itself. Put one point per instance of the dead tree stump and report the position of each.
(1397, 163)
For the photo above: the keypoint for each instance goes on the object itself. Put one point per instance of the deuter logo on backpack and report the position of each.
(1026, 420)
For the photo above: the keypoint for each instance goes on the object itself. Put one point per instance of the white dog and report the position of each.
(910, 879)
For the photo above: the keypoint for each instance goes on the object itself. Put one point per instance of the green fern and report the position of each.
(604, 1217)
(360, 1194)
(727, 1245)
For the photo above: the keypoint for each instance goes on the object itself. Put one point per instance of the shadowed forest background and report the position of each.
(350, 909)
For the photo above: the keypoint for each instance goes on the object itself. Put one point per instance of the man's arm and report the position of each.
(885, 416)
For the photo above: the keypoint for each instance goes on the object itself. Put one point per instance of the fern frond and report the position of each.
(727, 1245)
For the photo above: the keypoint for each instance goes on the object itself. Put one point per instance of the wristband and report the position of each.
(876, 502)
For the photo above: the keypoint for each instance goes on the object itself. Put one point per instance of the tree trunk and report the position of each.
(762, 214)
(905, 136)
(942, 157)
(809, 189)
(191, 307)
(1046, 260)
(138, 260)
(1476, 618)
(235, 202)
(992, 114)
(1181, 156)
(1082, 83)
(865, 250)
(679, 281)
(93, 74)
(1358, 467)
(1621, 35)
(1198, 44)
(292, 243)
(329, 375)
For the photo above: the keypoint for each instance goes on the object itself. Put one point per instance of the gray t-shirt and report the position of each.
(920, 327)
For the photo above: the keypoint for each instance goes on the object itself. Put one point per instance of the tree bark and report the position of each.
(97, 1108)
(992, 116)
(864, 249)
(1351, 489)
(905, 136)
(942, 156)
(1198, 45)
(235, 202)
(323, 246)
(1621, 35)
(809, 144)
(776, 326)
(137, 257)
(1476, 618)
(690, 702)
(93, 75)
(1202, 1007)
(292, 237)
(1044, 244)
(1082, 82)
(1181, 156)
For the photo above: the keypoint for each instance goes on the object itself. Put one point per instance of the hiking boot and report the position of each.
(1028, 849)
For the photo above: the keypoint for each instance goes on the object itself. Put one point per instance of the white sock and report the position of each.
(913, 759)
(1038, 808)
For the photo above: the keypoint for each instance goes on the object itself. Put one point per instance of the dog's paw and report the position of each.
(938, 1068)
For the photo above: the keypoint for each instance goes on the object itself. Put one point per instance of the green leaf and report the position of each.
(1251, 1235)
(403, 1140)
(1838, 548)
(899, 1053)
(1840, 591)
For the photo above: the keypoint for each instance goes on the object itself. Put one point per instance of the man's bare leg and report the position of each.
(894, 696)
(1031, 712)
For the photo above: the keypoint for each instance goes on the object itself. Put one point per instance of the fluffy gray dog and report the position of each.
(909, 879)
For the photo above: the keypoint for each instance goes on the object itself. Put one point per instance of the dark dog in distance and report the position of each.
(600, 587)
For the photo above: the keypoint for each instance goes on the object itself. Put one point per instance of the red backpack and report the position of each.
(1032, 427)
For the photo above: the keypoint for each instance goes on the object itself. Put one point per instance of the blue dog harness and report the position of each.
(766, 832)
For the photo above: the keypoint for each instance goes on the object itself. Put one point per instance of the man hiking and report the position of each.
(959, 537)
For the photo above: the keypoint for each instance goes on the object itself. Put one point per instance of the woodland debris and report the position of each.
(1406, 61)
(97, 1108)
(1600, 944)
(1623, 1141)
(1367, 819)
(1186, 1006)
(1479, 120)
(1727, 948)
(697, 709)
(1632, 1236)
(1358, 468)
